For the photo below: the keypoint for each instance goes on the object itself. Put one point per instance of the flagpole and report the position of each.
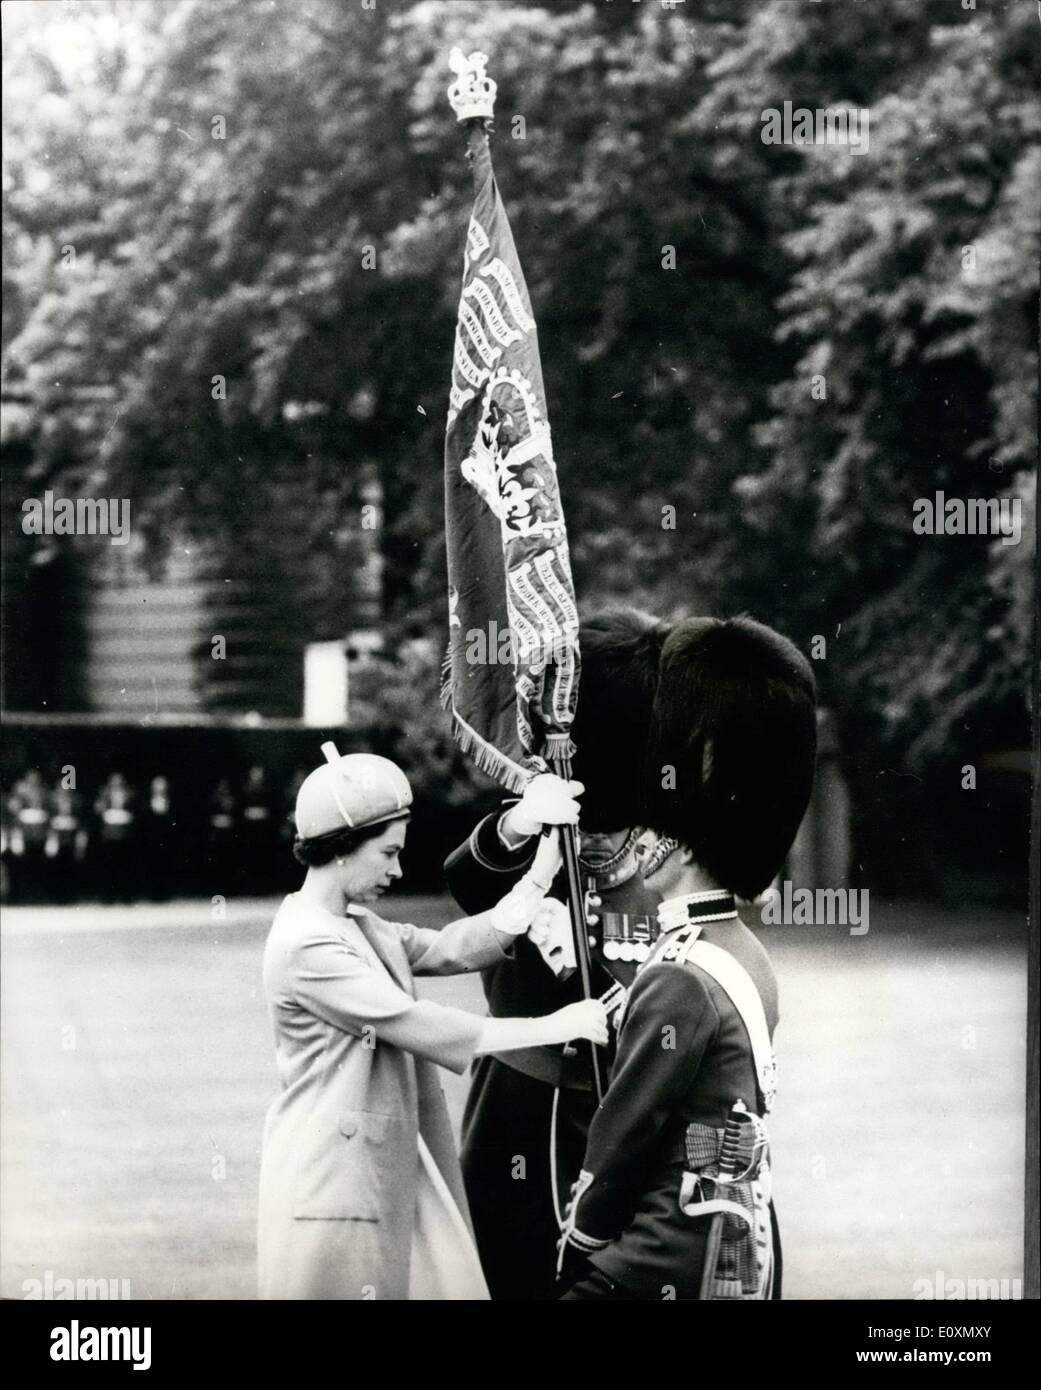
(576, 906)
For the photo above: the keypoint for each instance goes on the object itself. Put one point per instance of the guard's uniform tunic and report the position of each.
(683, 1058)
(522, 1101)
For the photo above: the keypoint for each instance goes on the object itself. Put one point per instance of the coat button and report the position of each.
(348, 1128)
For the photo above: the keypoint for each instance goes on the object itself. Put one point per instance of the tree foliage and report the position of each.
(243, 250)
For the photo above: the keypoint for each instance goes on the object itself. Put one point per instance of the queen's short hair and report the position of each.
(323, 849)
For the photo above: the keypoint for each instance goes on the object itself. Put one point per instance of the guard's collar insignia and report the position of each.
(694, 909)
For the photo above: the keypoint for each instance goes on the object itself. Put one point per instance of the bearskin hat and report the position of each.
(621, 648)
(732, 747)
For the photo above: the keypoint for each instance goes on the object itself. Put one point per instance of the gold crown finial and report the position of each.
(472, 94)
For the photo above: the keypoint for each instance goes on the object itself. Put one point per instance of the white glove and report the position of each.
(586, 1019)
(513, 913)
(547, 800)
(551, 932)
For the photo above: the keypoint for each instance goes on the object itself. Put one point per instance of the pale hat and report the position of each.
(350, 792)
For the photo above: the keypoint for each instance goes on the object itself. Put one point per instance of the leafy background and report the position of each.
(687, 388)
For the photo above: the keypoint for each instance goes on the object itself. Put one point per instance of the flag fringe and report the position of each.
(488, 758)
(446, 678)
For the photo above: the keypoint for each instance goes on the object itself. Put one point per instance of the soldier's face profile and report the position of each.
(597, 846)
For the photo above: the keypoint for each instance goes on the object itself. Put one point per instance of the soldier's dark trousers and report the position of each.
(506, 1167)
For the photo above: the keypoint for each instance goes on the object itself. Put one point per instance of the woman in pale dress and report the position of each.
(360, 1191)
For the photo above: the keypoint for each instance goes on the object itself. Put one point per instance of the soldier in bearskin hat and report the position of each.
(117, 862)
(29, 820)
(67, 840)
(673, 1199)
(533, 1108)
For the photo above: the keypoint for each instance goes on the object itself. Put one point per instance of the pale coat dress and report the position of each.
(357, 1055)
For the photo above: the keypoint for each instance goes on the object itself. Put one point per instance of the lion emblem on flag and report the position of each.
(510, 462)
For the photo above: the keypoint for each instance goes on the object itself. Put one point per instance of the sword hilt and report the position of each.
(730, 1155)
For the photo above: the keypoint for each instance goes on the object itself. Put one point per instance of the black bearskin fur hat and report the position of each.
(620, 651)
(732, 747)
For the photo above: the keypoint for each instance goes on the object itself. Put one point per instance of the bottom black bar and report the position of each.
(174, 1340)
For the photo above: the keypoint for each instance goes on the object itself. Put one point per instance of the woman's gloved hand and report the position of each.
(547, 800)
(551, 932)
(513, 914)
(587, 1019)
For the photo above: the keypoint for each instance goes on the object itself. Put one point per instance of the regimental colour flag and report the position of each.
(511, 671)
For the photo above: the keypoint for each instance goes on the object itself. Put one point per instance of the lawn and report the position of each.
(137, 1065)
